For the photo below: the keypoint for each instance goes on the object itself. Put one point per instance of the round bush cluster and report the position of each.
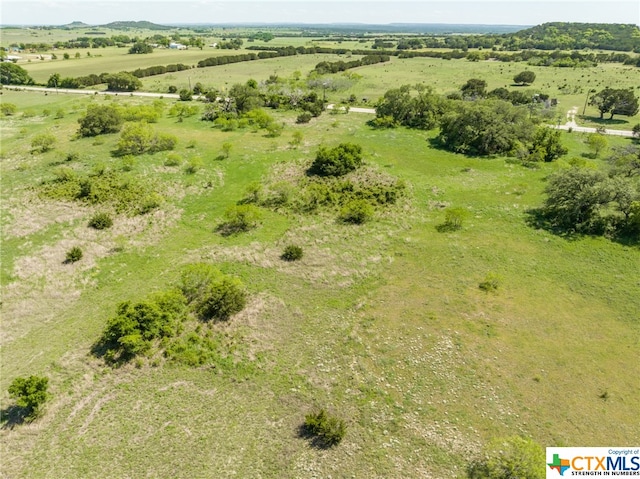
(101, 221)
(292, 253)
(74, 255)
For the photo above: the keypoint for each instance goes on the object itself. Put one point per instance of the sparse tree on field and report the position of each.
(615, 102)
(524, 78)
(597, 143)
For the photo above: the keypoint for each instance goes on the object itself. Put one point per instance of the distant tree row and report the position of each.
(324, 68)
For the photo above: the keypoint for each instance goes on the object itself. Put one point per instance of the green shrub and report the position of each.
(491, 282)
(128, 162)
(140, 137)
(326, 430)
(279, 194)
(292, 253)
(30, 395)
(125, 194)
(73, 255)
(226, 149)
(193, 165)
(100, 120)
(514, 457)
(239, 218)
(8, 109)
(274, 130)
(43, 142)
(149, 203)
(186, 95)
(356, 212)
(196, 278)
(337, 161)
(173, 159)
(101, 221)
(453, 219)
(304, 117)
(136, 325)
(222, 299)
(72, 156)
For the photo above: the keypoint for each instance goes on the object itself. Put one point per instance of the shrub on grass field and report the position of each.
(453, 219)
(213, 295)
(8, 109)
(193, 165)
(173, 159)
(304, 117)
(356, 212)
(326, 430)
(43, 142)
(136, 325)
(100, 119)
(101, 221)
(491, 282)
(73, 255)
(239, 218)
(140, 137)
(337, 161)
(30, 395)
(222, 299)
(292, 253)
(510, 458)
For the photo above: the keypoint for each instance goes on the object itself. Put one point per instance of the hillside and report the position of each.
(138, 25)
(569, 36)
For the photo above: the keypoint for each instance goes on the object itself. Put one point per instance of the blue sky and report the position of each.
(502, 12)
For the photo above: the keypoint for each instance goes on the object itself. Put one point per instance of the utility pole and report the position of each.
(589, 92)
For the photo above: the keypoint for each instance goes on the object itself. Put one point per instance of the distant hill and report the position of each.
(138, 25)
(569, 36)
(76, 24)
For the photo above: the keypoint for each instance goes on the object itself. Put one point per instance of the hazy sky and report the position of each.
(505, 12)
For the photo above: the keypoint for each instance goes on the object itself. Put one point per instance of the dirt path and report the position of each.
(573, 126)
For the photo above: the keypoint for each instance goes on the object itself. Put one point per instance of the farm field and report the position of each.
(569, 85)
(382, 324)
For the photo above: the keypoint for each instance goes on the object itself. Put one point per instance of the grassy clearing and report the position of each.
(382, 324)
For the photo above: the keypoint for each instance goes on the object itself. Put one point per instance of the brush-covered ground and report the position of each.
(383, 324)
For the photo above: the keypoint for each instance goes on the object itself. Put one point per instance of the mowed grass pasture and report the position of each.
(382, 324)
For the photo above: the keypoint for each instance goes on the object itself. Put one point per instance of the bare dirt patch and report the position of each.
(45, 284)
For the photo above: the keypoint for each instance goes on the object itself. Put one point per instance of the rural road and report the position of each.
(94, 92)
(569, 125)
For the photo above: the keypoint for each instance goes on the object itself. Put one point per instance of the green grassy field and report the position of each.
(383, 324)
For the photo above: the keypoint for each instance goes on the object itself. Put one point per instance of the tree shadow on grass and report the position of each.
(537, 218)
(605, 122)
(230, 228)
(13, 416)
(315, 441)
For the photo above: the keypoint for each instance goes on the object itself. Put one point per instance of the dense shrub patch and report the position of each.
(337, 161)
(135, 326)
(125, 193)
